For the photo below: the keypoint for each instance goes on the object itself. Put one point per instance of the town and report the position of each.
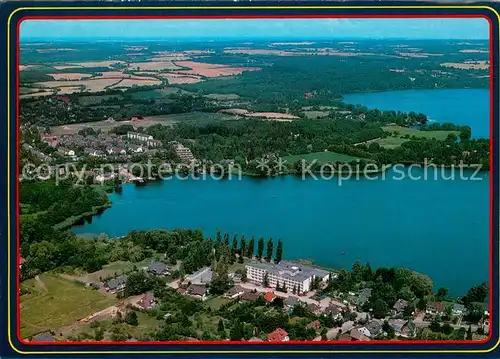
(298, 301)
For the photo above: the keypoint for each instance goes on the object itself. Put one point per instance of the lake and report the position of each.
(437, 227)
(462, 107)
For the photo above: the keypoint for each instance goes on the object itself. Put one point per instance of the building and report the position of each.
(291, 301)
(372, 329)
(363, 296)
(147, 301)
(314, 309)
(198, 291)
(184, 153)
(315, 325)
(234, 292)
(44, 338)
(139, 136)
(357, 335)
(278, 335)
(66, 152)
(115, 285)
(250, 296)
(400, 306)
(269, 297)
(158, 268)
(458, 309)
(334, 311)
(135, 148)
(116, 151)
(286, 274)
(434, 308)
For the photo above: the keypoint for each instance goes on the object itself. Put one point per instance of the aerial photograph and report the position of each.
(254, 180)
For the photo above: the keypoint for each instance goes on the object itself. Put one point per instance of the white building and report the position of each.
(286, 274)
(139, 136)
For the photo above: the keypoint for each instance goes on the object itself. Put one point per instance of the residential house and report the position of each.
(269, 297)
(158, 269)
(278, 335)
(357, 335)
(334, 311)
(116, 151)
(397, 325)
(154, 143)
(363, 296)
(147, 301)
(135, 148)
(291, 301)
(65, 151)
(434, 308)
(250, 296)
(400, 306)
(198, 291)
(51, 140)
(202, 276)
(115, 285)
(21, 261)
(255, 339)
(314, 308)
(44, 338)
(458, 309)
(409, 330)
(234, 292)
(374, 328)
(345, 338)
(315, 325)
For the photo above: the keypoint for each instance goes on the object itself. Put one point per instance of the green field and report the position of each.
(53, 302)
(321, 157)
(402, 131)
(220, 96)
(158, 93)
(96, 100)
(391, 142)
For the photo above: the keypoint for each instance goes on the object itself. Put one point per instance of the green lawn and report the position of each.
(438, 135)
(391, 142)
(216, 302)
(54, 302)
(321, 157)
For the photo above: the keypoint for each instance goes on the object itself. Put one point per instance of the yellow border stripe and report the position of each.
(201, 8)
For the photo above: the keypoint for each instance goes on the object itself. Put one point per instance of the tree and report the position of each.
(294, 290)
(447, 328)
(388, 329)
(226, 239)
(220, 327)
(265, 281)
(234, 248)
(478, 293)
(380, 308)
(243, 246)
(435, 326)
(279, 251)
(260, 248)
(218, 239)
(237, 331)
(251, 247)
(469, 333)
(441, 293)
(99, 335)
(269, 252)
(131, 318)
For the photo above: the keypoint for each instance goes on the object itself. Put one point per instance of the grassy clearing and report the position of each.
(54, 302)
(216, 302)
(391, 142)
(96, 100)
(402, 131)
(221, 96)
(158, 93)
(314, 115)
(321, 157)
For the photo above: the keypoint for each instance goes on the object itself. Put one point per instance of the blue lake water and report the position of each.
(437, 227)
(460, 106)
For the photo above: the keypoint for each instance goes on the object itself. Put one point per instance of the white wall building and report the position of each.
(286, 274)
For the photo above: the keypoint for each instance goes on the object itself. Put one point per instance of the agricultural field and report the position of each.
(96, 100)
(54, 302)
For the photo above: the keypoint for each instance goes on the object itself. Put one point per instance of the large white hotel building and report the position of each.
(286, 274)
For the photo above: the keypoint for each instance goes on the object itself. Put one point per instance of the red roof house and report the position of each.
(279, 335)
(316, 324)
(269, 297)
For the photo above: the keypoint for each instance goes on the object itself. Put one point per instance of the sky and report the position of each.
(220, 29)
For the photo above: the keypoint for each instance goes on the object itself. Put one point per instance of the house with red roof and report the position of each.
(434, 308)
(278, 335)
(315, 325)
(269, 297)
